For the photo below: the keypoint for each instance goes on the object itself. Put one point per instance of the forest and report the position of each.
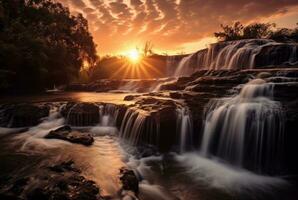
(41, 44)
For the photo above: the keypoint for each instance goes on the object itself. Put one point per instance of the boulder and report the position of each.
(81, 114)
(130, 97)
(129, 180)
(66, 133)
(22, 115)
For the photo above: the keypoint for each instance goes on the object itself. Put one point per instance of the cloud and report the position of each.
(118, 25)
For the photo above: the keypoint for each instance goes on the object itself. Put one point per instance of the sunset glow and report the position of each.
(173, 26)
(134, 56)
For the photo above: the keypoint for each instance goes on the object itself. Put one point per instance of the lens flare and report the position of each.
(134, 56)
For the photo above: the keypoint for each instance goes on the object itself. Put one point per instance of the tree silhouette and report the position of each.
(256, 31)
(42, 44)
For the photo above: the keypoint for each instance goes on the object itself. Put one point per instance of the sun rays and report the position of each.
(136, 67)
(134, 56)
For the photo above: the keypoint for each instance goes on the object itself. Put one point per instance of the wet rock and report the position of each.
(175, 95)
(64, 166)
(38, 194)
(130, 97)
(81, 114)
(172, 86)
(286, 91)
(275, 55)
(129, 180)
(53, 184)
(22, 115)
(9, 197)
(66, 133)
(263, 75)
(19, 185)
(148, 100)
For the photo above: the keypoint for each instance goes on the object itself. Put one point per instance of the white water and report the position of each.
(184, 128)
(101, 161)
(163, 82)
(251, 119)
(184, 67)
(231, 55)
(33, 139)
(132, 126)
(108, 114)
(225, 177)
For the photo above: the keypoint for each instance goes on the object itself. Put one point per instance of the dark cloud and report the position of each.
(116, 23)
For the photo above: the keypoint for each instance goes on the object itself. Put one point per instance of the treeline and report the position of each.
(239, 31)
(41, 44)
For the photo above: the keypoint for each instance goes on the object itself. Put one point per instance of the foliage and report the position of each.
(256, 31)
(42, 44)
(230, 32)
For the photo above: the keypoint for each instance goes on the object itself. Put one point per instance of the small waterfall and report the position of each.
(183, 67)
(132, 126)
(108, 115)
(171, 63)
(184, 128)
(91, 114)
(81, 114)
(246, 130)
(136, 126)
(158, 87)
(241, 54)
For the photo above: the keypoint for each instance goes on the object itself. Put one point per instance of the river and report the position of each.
(170, 176)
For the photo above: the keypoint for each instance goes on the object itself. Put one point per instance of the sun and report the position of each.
(134, 56)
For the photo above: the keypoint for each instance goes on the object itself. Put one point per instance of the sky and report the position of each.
(173, 26)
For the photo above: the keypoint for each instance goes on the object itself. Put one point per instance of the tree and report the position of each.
(42, 43)
(230, 32)
(257, 31)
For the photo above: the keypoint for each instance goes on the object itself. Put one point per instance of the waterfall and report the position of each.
(246, 129)
(139, 127)
(171, 64)
(241, 54)
(108, 114)
(184, 128)
(183, 67)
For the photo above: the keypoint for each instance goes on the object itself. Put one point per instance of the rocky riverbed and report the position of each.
(107, 150)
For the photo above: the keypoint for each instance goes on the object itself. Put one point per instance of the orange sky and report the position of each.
(173, 26)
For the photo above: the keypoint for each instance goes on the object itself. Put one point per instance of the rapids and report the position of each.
(162, 176)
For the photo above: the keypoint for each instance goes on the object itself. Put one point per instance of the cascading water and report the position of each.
(108, 115)
(242, 54)
(183, 67)
(184, 128)
(250, 120)
(137, 126)
(132, 126)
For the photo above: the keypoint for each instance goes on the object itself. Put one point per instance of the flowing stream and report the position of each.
(188, 175)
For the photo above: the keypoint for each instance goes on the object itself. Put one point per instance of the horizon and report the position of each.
(120, 26)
